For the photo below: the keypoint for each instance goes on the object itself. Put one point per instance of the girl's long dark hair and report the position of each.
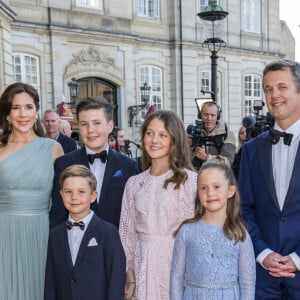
(179, 156)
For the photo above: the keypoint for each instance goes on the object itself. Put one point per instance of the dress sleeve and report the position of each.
(247, 270)
(178, 267)
(128, 223)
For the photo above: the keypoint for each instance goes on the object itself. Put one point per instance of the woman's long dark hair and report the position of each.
(6, 104)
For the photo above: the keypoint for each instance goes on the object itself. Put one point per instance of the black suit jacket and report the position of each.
(68, 144)
(118, 169)
(99, 270)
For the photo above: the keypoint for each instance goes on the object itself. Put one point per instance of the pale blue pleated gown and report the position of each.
(25, 190)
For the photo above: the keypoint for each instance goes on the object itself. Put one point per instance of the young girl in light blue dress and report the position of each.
(213, 256)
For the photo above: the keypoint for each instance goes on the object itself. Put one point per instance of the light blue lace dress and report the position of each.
(206, 265)
(25, 186)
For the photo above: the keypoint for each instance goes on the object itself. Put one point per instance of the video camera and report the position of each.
(258, 123)
(199, 139)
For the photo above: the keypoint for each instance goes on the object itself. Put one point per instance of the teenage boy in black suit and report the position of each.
(85, 257)
(95, 122)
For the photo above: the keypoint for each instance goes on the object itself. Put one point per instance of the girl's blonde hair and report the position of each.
(234, 227)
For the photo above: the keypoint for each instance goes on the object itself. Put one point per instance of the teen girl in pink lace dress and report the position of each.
(155, 202)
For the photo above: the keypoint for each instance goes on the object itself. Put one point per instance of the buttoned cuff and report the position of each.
(296, 260)
(262, 255)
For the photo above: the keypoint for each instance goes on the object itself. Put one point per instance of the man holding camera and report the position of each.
(219, 141)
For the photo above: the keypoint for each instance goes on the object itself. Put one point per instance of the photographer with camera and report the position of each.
(210, 139)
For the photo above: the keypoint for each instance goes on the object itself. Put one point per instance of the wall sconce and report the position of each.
(73, 87)
(145, 99)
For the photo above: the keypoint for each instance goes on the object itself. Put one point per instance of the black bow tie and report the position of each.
(70, 224)
(275, 135)
(102, 155)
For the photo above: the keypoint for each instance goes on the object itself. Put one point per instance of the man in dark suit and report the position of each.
(269, 183)
(51, 123)
(95, 122)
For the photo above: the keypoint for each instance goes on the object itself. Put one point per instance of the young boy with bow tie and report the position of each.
(85, 257)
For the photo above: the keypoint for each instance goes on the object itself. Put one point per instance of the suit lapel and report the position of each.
(107, 175)
(64, 244)
(85, 240)
(265, 156)
(295, 178)
(82, 157)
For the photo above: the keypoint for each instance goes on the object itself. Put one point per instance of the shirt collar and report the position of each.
(294, 128)
(89, 151)
(86, 220)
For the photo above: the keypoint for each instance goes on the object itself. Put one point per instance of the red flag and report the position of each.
(150, 110)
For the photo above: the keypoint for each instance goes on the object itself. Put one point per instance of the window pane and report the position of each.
(153, 77)
(251, 15)
(90, 3)
(26, 69)
(147, 8)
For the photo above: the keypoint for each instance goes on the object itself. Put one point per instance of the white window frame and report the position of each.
(153, 76)
(251, 16)
(252, 86)
(148, 8)
(28, 69)
(92, 4)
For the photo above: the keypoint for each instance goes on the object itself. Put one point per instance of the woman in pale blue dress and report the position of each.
(26, 174)
(213, 257)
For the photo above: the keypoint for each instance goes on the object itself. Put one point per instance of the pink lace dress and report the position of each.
(150, 215)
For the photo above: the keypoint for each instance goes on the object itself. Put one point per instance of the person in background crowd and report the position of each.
(112, 169)
(269, 186)
(64, 127)
(26, 175)
(155, 202)
(51, 123)
(237, 158)
(94, 246)
(121, 140)
(112, 140)
(213, 254)
(223, 141)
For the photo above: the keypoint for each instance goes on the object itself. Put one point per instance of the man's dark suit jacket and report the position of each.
(269, 226)
(68, 144)
(118, 169)
(99, 270)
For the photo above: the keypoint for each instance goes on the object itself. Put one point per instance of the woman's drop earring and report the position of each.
(35, 123)
(9, 123)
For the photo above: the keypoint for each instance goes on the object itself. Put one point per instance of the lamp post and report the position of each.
(134, 109)
(213, 16)
(73, 87)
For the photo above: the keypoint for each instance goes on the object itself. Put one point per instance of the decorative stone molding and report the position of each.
(93, 57)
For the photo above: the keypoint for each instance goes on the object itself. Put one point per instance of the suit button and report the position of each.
(73, 280)
(282, 219)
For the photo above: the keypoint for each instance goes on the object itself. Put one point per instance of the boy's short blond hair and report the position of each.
(79, 171)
